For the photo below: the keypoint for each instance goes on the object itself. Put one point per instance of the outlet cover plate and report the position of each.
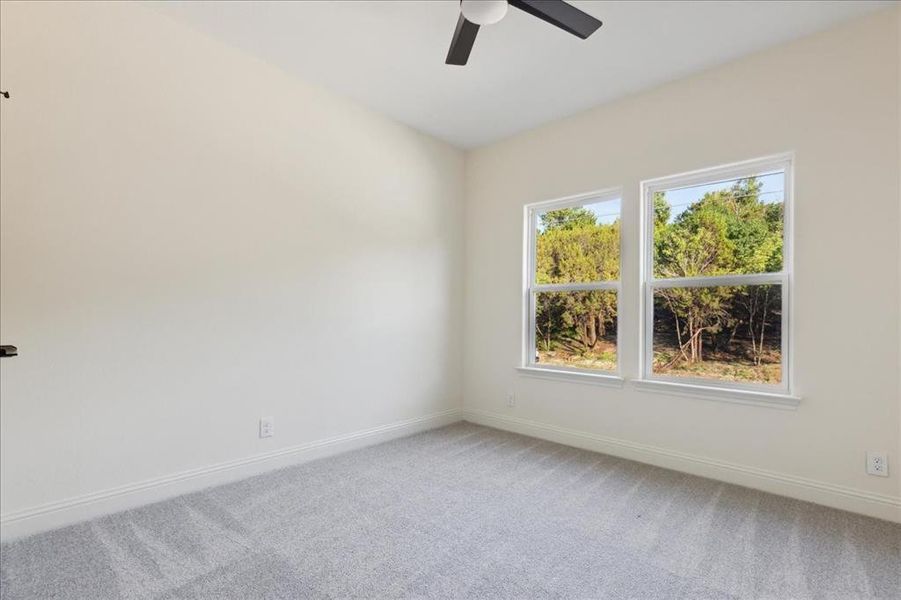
(877, 464)
(267, 427)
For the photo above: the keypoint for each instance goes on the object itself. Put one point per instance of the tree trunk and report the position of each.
(693, 340)
(678, 333)
(766, 303)
(602, 327)
(547, 340)
(591, 330)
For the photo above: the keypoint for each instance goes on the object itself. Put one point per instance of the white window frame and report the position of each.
(531, 288)
(779, 394)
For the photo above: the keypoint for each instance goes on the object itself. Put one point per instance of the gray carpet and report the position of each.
(465, 512)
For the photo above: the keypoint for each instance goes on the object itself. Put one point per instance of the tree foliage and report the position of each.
(725, 232)
(573, 247)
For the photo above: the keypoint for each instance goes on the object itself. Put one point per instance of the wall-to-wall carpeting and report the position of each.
(465, 511)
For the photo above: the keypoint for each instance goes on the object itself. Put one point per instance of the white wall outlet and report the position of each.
(511, 399)
(267, 427)
(877, 464)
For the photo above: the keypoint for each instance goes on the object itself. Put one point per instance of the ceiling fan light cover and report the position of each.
(483, 12)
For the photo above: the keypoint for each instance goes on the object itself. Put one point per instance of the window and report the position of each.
(716, 277)
(572, 284)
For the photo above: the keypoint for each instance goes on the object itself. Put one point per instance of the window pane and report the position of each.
(722, 333)
(720, 228)
(578, 245)
(576, 329)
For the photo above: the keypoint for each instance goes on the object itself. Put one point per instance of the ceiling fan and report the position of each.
(475, 13)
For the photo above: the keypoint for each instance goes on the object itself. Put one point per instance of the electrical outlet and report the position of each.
(267, 427)
(511, 399)
(877, 464)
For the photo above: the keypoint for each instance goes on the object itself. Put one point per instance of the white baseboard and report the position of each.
(874, 505)
(73, 510)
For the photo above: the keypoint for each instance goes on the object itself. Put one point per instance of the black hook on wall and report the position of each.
(4, 94)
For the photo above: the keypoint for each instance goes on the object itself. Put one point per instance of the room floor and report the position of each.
(465, 512)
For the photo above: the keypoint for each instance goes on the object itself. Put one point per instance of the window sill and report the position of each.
(757, 398)
(601, 379)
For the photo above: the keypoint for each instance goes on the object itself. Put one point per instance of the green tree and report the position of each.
(726, 231)
(567, 218)
(662, 210)
(572, 247)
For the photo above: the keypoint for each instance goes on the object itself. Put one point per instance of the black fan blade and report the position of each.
(461, 45)
(559, 13)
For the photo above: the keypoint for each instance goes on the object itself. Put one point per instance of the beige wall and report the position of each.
(833, 99)
(192, 239)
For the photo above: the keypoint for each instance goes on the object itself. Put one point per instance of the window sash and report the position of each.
(532, 343)
(648, 342)
(531, 237)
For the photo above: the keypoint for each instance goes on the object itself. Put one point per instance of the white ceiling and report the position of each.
(522, 72)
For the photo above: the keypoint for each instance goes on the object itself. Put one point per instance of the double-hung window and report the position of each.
(572, 286)
(716, 277)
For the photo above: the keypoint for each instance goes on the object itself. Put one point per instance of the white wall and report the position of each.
(833, 99)
(192, 239)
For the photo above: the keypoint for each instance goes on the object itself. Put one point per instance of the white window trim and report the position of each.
(770, 394)
(705, 392)
(556, 373)
(528, 365)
